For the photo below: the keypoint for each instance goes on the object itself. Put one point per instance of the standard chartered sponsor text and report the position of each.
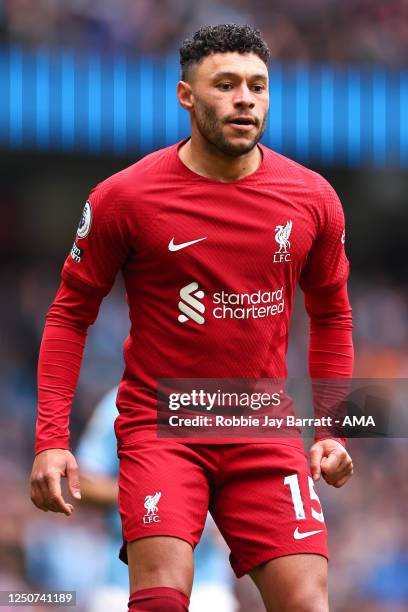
(256, 305)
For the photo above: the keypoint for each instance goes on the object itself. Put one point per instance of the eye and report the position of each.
(224, 86)
(258, 88)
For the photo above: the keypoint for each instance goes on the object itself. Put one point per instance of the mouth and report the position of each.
(242, 123)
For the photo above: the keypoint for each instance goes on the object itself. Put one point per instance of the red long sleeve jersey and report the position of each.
(210, 270)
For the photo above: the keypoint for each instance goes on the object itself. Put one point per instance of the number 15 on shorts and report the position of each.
(292, 482)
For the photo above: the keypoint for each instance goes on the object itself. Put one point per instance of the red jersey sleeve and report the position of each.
(102, 243)
(100, 249)
(331, 354)
(59, 363)
(327, 266)
(323, 280)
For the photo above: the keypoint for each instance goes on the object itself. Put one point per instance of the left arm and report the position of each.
(331, 356)
(324, 283)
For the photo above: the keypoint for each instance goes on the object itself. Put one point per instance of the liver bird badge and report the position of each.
(282, 234)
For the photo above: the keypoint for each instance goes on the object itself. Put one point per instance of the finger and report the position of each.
(346, 465)
(344, 458)
(335, 477)
(73, 479)
(334, 467)
(316, 454)
(342, 481)
(332, 463)
(57, 509)
(39, 492)
(36, 498)
(55, 506)
(55, 501)
(58, 504)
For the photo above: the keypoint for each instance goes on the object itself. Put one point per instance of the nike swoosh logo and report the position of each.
(298, 535)
(183, 245)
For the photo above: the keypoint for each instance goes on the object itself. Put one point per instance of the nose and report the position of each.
(243, 97)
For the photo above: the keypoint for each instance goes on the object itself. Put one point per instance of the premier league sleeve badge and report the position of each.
(85, 221)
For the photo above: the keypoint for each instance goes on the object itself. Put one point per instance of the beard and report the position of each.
(210, 127)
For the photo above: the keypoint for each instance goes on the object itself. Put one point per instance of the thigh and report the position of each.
(163, 492)
(266, 506)
(294, 583)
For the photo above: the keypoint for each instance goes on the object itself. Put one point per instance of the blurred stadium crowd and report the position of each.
(317, 30)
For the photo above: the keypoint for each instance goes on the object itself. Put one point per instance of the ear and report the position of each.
(185, 95)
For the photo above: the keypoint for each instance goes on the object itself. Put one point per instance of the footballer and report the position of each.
(217, 213)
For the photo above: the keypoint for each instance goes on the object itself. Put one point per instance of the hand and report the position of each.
(45, 480)
(329, 458)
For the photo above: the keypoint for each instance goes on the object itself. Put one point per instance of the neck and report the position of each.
(205, 159)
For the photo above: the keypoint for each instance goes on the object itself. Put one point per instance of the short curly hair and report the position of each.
(221, 39)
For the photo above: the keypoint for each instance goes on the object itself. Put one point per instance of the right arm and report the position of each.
(59, 364)
(100, 250)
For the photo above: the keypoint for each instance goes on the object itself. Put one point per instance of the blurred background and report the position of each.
(87, 88)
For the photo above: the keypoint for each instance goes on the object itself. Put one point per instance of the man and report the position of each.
(215, 213)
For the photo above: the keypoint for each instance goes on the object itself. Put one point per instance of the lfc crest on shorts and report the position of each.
(282, 233)
(150, 504)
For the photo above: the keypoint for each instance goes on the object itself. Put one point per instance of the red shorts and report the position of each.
(261, 497)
